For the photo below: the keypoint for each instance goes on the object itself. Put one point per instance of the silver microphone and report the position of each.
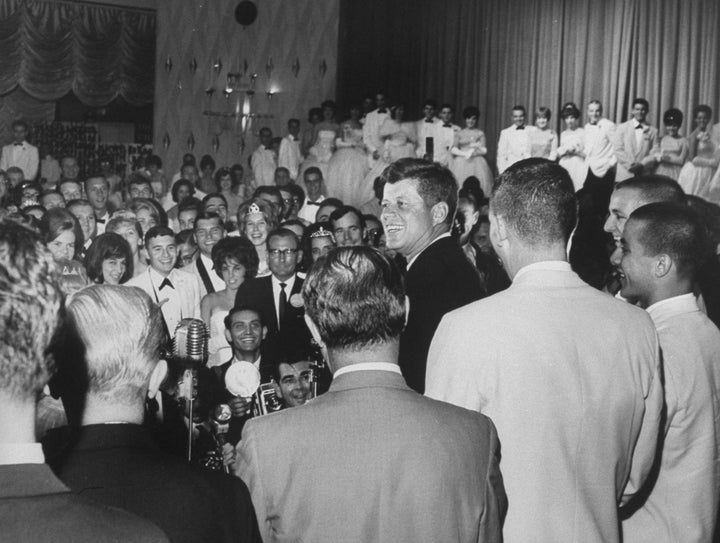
(190, 343)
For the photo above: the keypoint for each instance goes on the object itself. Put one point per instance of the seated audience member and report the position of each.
(139, 186)
(109, 259)
(63, 237)
(176, 292)
(271, 193)
(83, 212)
(227, 184)
(188, 211)
(313, 181)
(277, 296)
(129, 228)
(148, 213)
(34, 504)
(348, 225)
(234, 261)
(326, 209)
(71, 189)
(256, 218)
(570, 376)
(114, 459)
(663, 246)
(207, 231)
(52, 198)
(372, 421)
(317, 241)
(216, 203)
(187, 249)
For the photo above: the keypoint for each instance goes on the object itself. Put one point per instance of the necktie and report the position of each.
(166, 283)
(282, 304)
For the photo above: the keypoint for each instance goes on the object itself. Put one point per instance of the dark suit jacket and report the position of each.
(120, 465)
(372, 460)
(293, 333)
(441, 279)
(35, 507)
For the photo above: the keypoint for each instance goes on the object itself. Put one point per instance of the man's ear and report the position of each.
(228, 336)
(498, 229)
(264, 332)
(663, 265)
(156, 378)
(313, 330)
(278, 391)
(407, 309)
(439, 213)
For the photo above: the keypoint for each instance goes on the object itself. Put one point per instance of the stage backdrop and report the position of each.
(291, 47)
(498, 53)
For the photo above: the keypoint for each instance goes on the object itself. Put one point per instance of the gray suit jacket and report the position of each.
(627, 150)
(372, 460)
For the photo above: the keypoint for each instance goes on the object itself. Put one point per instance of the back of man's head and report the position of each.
(675, 230)
(355, 297)
(536, 198)
(30, 305)
(118, 365)
(654, 188)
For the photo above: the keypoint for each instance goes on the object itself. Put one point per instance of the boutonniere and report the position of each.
(296, 301)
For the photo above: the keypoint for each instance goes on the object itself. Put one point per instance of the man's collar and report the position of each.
(413, 259)
(546, 265)
(207, 261)
(21, 453)
(368, 366)
(255, 363)
(156, 277)
(288, 282)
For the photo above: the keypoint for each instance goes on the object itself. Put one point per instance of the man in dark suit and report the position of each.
(34, 505)
(277, 297)
(370, 460)
(419, 203)
(114, 459)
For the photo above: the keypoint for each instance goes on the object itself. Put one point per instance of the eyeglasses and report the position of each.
(275, 253)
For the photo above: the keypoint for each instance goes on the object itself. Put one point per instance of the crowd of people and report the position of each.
(569, 305)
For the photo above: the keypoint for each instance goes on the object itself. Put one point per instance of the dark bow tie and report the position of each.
(309, 203)
(17, 144)
(100, 221)
(382, 110)
(520, 127)
(430, 121)
(639, 127)
(166, 283)
(447, 125)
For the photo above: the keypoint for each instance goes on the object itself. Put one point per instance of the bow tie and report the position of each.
(17, 144)
(447, 125)
(166, 283)
(639, 127)
(309, 203)
(520, 127)
(382, 110)
(430, 121)
(101, 221)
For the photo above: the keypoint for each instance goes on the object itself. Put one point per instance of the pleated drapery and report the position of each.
(100, 53)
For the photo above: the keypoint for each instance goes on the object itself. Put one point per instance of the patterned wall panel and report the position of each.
(194, 34)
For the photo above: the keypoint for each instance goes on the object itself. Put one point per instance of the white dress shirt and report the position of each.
(24, 156)
(308, 212)
(371, 130)
(599, 148)
(514, 145)
(368, 366)
(289, 155)
(21, 453)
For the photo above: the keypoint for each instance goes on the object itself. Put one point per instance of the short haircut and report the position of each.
(137, 179)
(435, 182)
(190, 203)
(58, 220)
(206, 216)
(66, 181)
(702, 108)
(176, 188)
(543, 113)
(355, 297)
(31, 303)
(119, 221)
(642, 102)
(118, 366)
(296, 190)
(224, 172)
(283, 233)
(265, 207)
(676, 230)
(238, 309)
(104, 246)
(185, 237)
(293, 121)
(158, 231)
(236, 248)
(291, 357)
(78, 202)
(153, 160)
(471, 111)
(96, 176)
(446, 105)
(20, 122)
(212, 195)
(519, 108)
(673, 117)
(340, 212)
(207, 162)
(312, 170)
(537, 200)
(282, 169)
(595, 102)
(654, 188)
(431, 102)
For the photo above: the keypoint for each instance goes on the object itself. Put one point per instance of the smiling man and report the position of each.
(348, 226)
(207, 231)
(418, 207)
(634, 140)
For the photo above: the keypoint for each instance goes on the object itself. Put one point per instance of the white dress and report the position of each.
(572, 143)
(218, 347)
(466, 161)
(347, 169)
(696, 175)
(677, 149)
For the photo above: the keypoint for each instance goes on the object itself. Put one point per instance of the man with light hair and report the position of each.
(114, 459)
(34, 504)
(570, 375)
(318, 472)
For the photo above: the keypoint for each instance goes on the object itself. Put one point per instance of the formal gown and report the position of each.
(543, 143)
(466, 162)
(695, 178)
(347, 169)
(320, 153)
(399, 140)
(218, 347)
(572, 143)
(677, 149)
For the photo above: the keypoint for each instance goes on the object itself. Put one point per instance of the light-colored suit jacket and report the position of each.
(372, 460)
(627, 150)
(28, 159)
(513, 146)
(571, 378)
(181, 302)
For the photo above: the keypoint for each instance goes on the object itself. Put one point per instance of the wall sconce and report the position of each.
(210, 91)
(269, 67)
(168, 64)
(166, 141)
(217, 66)
(191, 142)
(296, 67)
(253, 77)
(270, 94)
(193, 65)
(215, 143)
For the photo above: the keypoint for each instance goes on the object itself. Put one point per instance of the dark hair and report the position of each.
(153, 160)
(58, 220)
(20, 122)
(222, 172)
(431, 102)
(158, 231)
(340, 212)
(176, 188)
(206, 161)
(282, 233)
(296, 190)
(189, 203)
(237, 248)
(570, 110)
(311, 170)
(642, 102)
(471, 111)
(448, 106)
(676, 230)
(238, 309)
(208, 197)
(314, 112)
(103, 247)
(207, 216)
(435, 182)
(673, 117)
(306, 242)
(138, 179)
(271, 190)
(702, 108)
(355, 297)
(543, 113)
(654, 188)
(536, 198)
(519, 108)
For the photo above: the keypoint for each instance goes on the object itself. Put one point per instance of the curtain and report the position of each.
(498, 53)
(100, 53)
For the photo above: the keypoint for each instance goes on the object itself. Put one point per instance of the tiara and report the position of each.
(254, 208)
(322, 233)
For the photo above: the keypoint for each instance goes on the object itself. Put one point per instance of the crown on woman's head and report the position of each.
(254, 208)
(322, 233)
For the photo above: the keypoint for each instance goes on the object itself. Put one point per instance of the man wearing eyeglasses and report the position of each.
(277, 296)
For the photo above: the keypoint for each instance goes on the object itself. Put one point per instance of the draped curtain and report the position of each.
(49, 48)
(498, 53)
